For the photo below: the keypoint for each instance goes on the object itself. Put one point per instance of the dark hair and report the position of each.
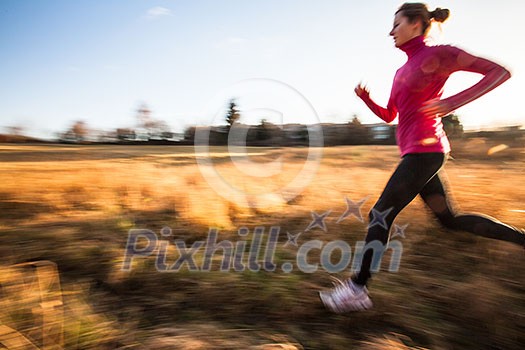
(419, 12)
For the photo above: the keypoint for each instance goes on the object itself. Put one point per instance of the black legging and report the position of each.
(422, 174)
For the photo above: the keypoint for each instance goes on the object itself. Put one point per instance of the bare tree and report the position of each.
(76, 133)
(80, 130)
(143, 115)
(155, 128)
(355, 120)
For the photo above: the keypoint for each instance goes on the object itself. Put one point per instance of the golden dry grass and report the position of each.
(75, 204)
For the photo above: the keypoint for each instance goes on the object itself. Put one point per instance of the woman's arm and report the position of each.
(493, 76)
(387, 114)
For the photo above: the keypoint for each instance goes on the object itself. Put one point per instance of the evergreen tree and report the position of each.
(233, 115)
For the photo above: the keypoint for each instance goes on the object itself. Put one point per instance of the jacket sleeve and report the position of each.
(388, 114)
(493, 76)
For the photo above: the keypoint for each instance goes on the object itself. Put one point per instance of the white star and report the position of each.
(318, 221)
(378, 218)
(353, 208)
(292, 239)
(399, 231)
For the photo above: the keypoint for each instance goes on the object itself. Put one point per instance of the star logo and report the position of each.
(318, 221)
(399, 231)
(292, 239)
(353, 208)
(379, 218)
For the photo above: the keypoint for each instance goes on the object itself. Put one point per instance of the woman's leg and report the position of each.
(410, 177)
(436, 196)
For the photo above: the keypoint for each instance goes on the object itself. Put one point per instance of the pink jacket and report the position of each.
(422, 79)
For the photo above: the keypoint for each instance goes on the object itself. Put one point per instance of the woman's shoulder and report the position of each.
(451, 57)
(445, 51)
(446, 48)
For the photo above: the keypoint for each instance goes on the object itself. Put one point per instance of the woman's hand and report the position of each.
(362, 90)
(435, 108)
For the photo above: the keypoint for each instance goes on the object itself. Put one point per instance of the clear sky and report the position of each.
(98, 60)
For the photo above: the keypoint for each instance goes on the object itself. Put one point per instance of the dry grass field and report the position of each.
(75, 204)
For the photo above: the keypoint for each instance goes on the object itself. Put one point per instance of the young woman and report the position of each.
(415, 98)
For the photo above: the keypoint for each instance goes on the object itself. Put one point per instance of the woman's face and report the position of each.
(403, 30)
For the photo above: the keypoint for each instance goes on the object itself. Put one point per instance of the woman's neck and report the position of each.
(413, 45)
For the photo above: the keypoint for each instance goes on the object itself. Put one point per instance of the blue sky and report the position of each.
(97, 60)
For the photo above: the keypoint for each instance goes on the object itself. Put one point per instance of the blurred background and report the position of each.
(99, 62)
(100, 105)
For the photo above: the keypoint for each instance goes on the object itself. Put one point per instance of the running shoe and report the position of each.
(345, 297)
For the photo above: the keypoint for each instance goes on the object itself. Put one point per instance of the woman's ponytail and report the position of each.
(439, 14)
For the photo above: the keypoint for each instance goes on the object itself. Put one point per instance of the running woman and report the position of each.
(416, 99)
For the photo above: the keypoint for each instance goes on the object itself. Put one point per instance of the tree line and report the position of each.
(150, 129)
